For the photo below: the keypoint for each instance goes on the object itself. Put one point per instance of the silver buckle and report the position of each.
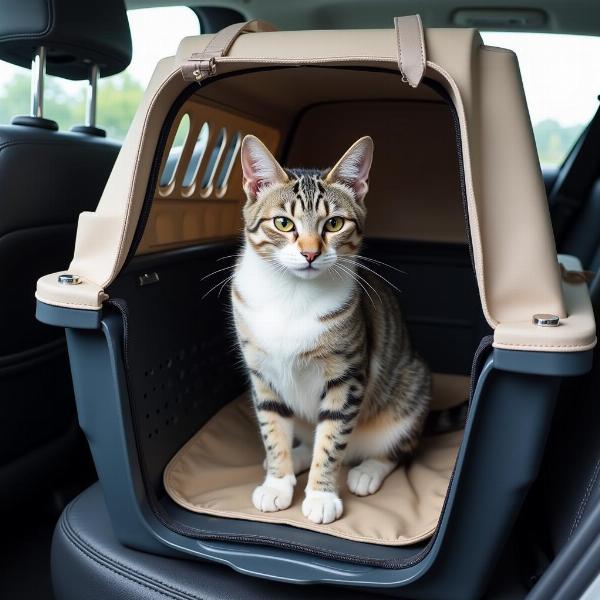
(205, 68)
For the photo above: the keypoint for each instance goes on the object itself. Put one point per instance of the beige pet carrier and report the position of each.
(456, 201)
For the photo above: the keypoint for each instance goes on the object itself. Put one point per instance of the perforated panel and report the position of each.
(180, 349)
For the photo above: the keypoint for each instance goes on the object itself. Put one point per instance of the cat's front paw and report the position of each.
(365, 479)
(322, 507)
(274, 494)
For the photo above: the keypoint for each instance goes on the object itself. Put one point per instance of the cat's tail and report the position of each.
(447, 419)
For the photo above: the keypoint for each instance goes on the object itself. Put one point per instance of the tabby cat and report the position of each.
(324, 341)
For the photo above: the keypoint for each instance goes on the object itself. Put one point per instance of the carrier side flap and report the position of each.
(574, 333)
(202, 64)
(81, 294)
(411, 48)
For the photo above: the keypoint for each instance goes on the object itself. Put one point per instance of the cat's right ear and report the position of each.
(259, 167)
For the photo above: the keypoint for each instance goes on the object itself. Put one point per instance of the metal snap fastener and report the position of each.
(68, 279)
(545, 320)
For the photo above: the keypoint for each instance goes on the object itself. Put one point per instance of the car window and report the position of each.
(562, 82)
(155, 33)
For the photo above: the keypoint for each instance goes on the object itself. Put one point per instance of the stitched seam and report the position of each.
(124, 571)
(65, 303)
(399, 47)
(585, 499)
(421, 35)
(34, 36)
(511, 344)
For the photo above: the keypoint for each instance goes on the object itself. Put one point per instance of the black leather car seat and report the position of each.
(47, 177)
(88, 562)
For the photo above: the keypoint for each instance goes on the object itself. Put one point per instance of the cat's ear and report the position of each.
(352, 170)
(259, 167)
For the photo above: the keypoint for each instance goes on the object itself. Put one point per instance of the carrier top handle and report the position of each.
(410, 41)
(202, 64)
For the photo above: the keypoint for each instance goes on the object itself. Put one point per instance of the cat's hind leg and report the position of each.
(368, 476)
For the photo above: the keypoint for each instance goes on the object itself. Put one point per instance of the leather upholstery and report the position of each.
(583, 237)
(75, 34)
(47, 178)
(87, 561)
(571, 476)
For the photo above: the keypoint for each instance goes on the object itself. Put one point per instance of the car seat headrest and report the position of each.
(75, 34)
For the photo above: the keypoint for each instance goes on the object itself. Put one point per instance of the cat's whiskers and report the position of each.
(379, 262)
(221, 283)
(238, 255)
(217, 271)
(357, 278)
(349, 261)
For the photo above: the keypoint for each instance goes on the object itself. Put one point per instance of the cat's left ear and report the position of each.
(353, 168)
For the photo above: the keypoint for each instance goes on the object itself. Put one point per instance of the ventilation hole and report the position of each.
(147, 415)
(166, 405)
(213, 162)
(197, 155)
(168, 173)
(156, 432)
(145, 395)
(149, 436)
(228, 162)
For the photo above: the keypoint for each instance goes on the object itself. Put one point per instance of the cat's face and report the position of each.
(304, 221)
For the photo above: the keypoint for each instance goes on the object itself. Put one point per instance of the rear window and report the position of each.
(562, 82)
(155, 33)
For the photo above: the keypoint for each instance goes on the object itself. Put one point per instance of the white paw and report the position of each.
(366, 478)
(322, 507)
(274, 494)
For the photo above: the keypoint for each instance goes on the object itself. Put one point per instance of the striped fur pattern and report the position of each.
(323, 338)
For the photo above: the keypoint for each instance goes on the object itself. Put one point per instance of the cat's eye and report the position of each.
(334, 224)
(283, 224)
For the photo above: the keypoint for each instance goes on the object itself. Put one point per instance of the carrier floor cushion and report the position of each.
(217, 470)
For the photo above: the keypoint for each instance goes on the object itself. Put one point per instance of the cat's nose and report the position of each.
(310, 256)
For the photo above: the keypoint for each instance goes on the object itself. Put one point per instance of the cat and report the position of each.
(326, 347)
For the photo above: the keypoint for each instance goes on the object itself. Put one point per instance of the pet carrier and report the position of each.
(456, 201)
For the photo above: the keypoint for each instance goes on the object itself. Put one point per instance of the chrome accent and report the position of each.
(92, 97)
(546, 320)
(68, 279)
(38, 72)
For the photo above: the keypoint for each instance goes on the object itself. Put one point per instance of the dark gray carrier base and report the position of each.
(147, 378)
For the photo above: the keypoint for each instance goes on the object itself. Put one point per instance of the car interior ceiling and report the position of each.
(43, 455)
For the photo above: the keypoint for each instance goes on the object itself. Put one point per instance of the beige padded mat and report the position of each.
(217, 470)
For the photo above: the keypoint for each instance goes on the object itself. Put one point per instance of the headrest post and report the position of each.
(38, 72)
(92, 95)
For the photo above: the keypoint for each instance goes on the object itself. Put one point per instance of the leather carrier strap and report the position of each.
(411, 48)
(202, 64)
(409, 38)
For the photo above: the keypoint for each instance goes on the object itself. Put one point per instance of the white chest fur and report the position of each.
(282, 313)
